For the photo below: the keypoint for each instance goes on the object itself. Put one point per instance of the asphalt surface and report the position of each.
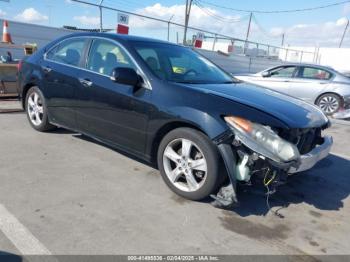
(61, 193)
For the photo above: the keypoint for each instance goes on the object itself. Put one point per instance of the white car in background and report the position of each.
(319, 85)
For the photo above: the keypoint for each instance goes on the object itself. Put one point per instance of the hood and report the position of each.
(293, 112)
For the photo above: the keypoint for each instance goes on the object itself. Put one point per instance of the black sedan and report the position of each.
(170, 106)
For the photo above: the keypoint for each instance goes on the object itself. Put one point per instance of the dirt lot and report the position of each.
(61, 193)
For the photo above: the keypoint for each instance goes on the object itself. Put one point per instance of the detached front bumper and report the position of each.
(308, 160)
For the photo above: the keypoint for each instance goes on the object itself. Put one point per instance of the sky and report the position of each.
(322, 27)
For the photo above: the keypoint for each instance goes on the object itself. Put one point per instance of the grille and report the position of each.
(304, 139)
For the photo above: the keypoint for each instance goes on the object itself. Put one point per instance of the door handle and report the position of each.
(85, 82)
(46, 69)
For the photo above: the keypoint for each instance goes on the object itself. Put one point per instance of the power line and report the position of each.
(264, 31)
(218, 17)
(276, 11)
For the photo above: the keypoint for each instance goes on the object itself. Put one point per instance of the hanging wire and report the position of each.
(218, 17)
(276, 11)
(264, 31)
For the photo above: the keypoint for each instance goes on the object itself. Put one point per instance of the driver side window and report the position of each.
(104, 56)
(286, 72)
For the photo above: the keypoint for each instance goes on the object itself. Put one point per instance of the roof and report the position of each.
(121, 37)
(307, 65)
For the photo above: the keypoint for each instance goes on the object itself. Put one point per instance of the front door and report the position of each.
(110, 111)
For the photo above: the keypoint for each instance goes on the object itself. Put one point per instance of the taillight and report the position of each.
(19, 65)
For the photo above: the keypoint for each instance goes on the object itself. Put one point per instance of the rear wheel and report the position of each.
(329, 103)
(36, 110)
(189, 164)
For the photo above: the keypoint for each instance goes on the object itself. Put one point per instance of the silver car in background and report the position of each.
(319, 85)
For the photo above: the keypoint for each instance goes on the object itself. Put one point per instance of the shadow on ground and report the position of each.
(324, 187)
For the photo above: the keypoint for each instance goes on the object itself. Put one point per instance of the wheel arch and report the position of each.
(332, 93)
(25, 90)
(165, 129)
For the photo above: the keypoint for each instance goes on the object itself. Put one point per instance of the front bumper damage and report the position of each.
(308, 160)
(233, 152)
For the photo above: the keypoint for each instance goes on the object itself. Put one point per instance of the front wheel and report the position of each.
(189, 164)
(36, 110)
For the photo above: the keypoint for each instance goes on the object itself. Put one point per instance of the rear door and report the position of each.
(309, 82)
(110, 111)
(61, 67)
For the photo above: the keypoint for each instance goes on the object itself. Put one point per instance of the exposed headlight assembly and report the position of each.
(262, 139)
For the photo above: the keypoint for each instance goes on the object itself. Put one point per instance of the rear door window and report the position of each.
(314, 73)
(68, 52)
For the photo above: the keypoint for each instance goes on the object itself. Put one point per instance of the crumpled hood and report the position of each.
(293, 112)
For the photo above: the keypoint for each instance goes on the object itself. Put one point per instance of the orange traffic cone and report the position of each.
(6, 37)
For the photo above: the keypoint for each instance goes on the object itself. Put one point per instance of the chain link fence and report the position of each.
(168, 30)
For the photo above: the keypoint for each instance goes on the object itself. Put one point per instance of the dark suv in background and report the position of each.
(170, 106)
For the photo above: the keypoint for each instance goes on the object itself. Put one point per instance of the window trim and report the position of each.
(86, 53)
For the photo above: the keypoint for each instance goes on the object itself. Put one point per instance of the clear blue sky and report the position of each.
(63, 12)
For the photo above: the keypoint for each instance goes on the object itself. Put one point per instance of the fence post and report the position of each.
(168, 30)
(213, 48)
(246, 46)
(301, 56)
(286, 55)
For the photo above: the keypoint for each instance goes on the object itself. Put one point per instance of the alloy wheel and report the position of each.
(185, 165)
(35, 109)
(329, 104)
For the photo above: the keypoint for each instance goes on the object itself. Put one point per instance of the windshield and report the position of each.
(180, 64)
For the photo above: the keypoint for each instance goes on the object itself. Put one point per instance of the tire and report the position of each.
(179, 167)
(329, 103)
(36, 110)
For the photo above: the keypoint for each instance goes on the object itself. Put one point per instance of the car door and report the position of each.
(113, 112)
(277, 79)
(60, 67)
(309, 82)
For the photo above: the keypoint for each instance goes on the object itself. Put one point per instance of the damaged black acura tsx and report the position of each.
(170, 106)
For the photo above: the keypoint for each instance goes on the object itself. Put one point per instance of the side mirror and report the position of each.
(125, 75)
(266, 74)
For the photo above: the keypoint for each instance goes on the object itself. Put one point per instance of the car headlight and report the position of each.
(262, 139)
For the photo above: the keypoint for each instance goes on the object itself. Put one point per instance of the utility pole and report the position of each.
(248, 32)
(282, 44)
(101, 22)
(187, 18)
(342, 38)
